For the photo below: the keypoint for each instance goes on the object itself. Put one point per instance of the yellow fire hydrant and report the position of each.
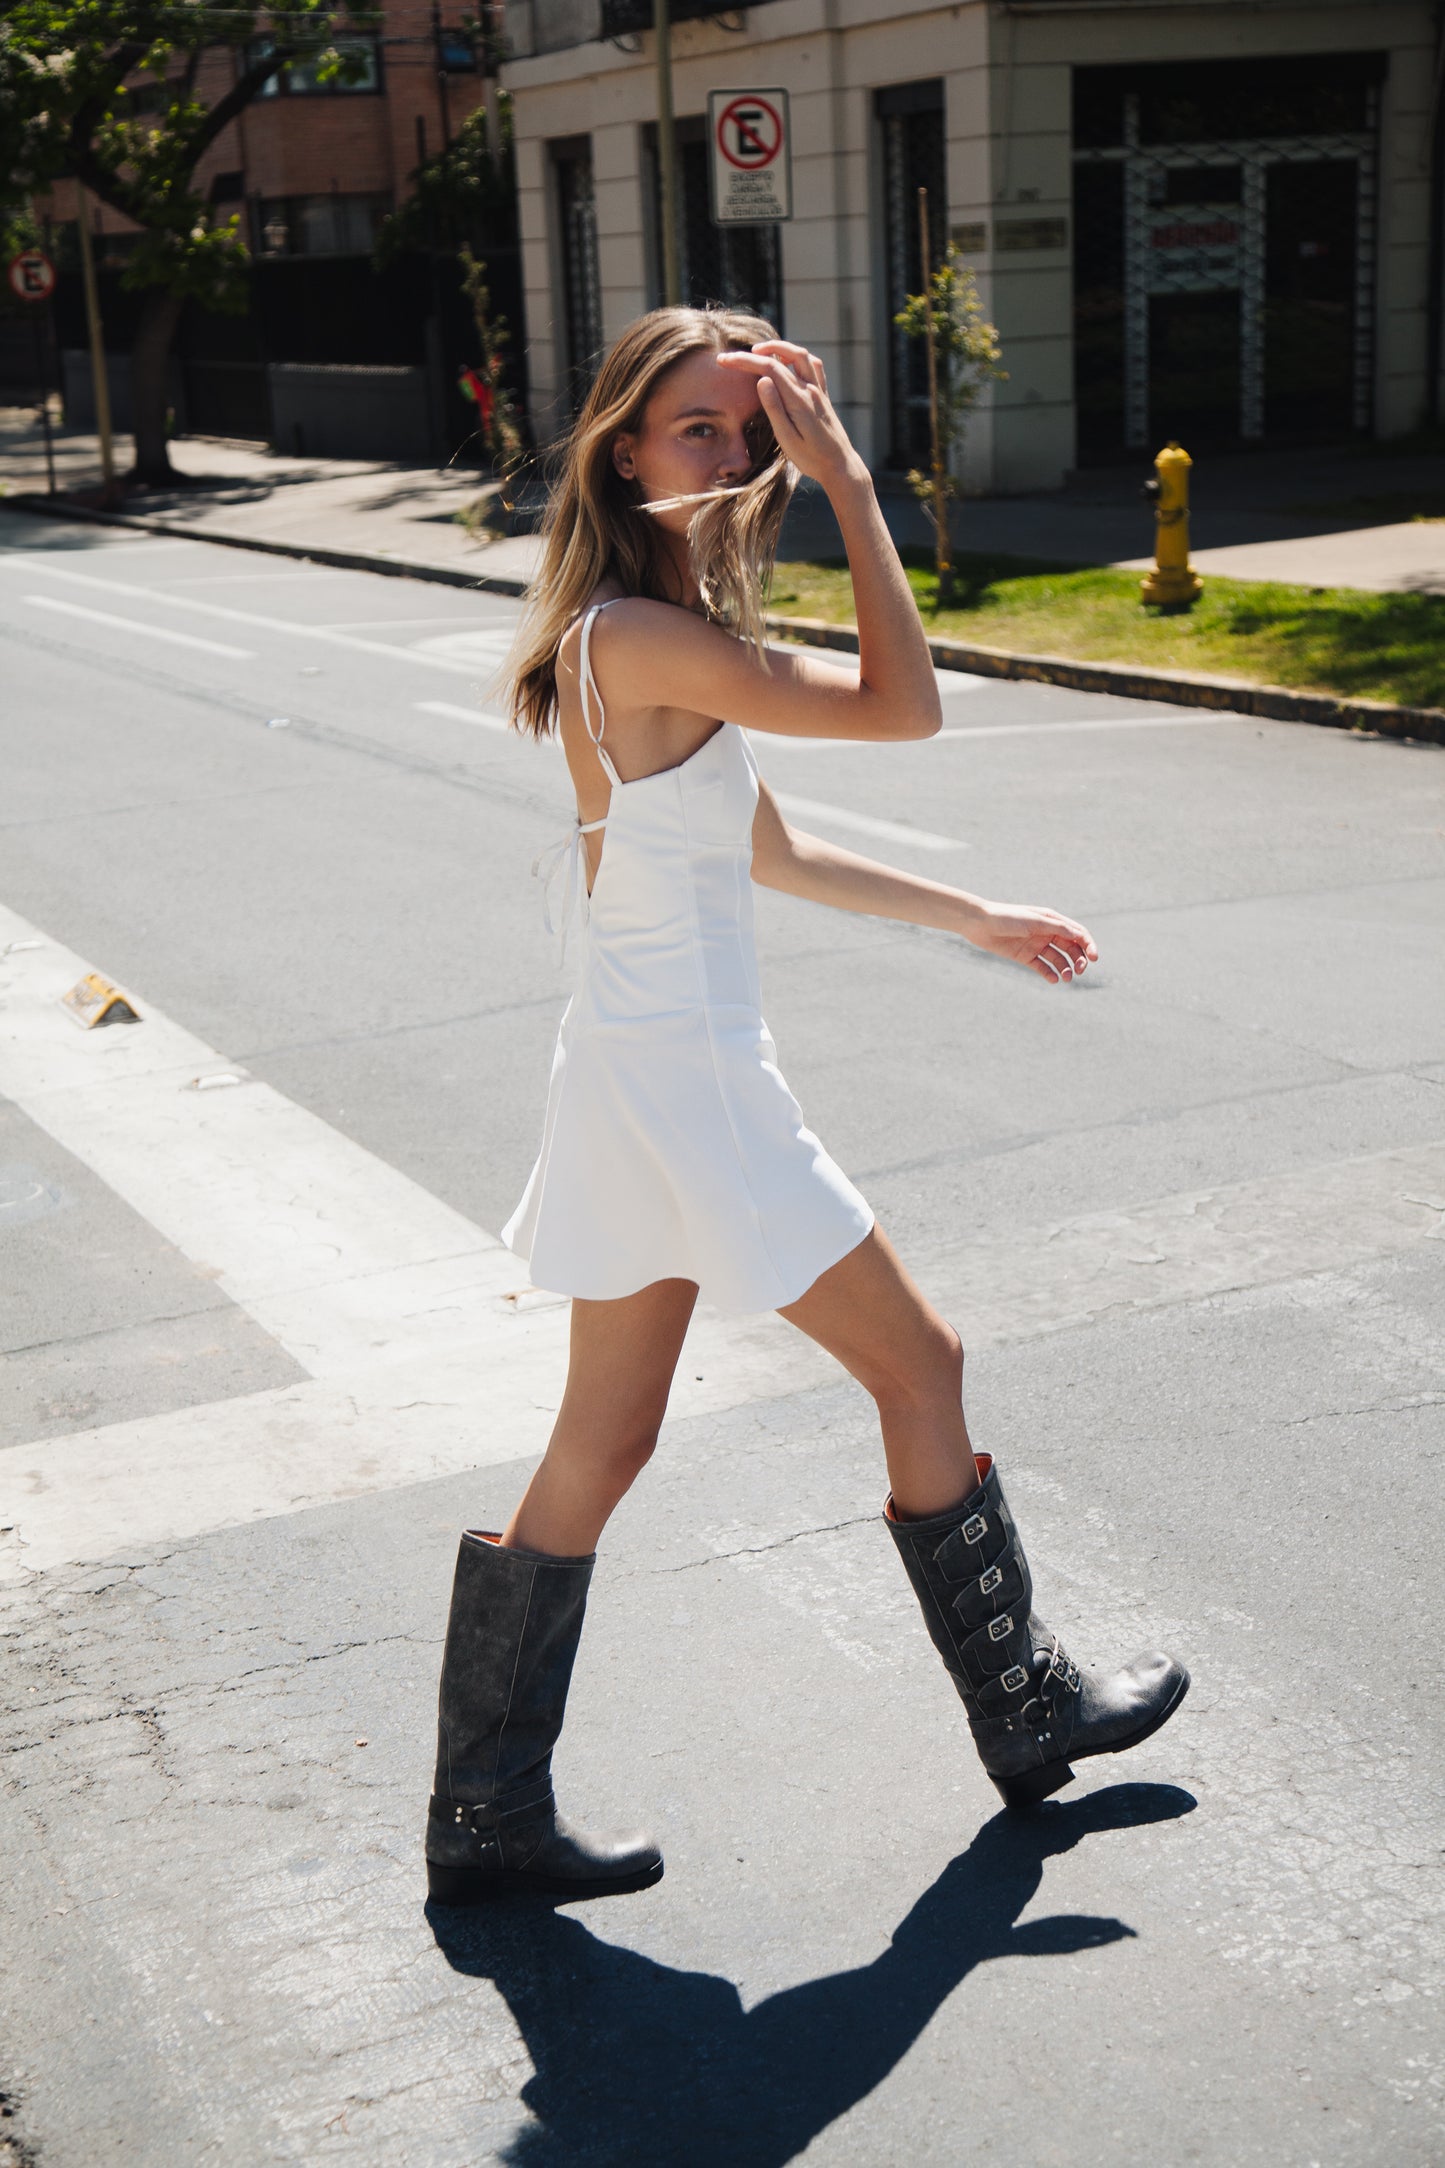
(1174, 583)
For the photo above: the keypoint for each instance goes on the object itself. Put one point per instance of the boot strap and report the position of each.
(489, 1817)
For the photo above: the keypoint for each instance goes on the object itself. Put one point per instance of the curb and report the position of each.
(1276, 702)
(1179, 688)
(403, 568)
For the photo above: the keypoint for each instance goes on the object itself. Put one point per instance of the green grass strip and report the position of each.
(1326, 639)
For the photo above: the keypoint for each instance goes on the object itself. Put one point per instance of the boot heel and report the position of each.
(1034, 1784)
(462, 1885)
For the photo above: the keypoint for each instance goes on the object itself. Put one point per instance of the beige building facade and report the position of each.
(1205, 221)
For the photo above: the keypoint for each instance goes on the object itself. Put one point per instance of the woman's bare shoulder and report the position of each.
(570, 645)
(637, 623)
(632, 624)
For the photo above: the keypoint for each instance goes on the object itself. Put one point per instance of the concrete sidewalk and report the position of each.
(1368, 519)
(235, 490)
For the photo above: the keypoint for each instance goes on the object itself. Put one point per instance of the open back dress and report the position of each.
(672, 1147)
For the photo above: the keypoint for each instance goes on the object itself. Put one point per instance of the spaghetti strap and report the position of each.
(588, 687)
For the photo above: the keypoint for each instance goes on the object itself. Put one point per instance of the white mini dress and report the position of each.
(672, 1147)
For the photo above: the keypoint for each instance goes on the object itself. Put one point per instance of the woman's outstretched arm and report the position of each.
(1045, 942)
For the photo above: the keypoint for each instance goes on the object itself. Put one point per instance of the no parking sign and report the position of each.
(751, 162)
(32, 275)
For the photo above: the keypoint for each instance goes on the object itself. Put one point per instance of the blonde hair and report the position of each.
(596, 525)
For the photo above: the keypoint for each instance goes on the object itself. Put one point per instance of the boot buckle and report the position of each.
(975, 1528)
(1013, 1680)
(1061, 1668)
(988, 1582)
(1000, 1628)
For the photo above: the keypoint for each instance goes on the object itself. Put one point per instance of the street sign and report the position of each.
(1195, 248)
(32, 275)
(751, 157)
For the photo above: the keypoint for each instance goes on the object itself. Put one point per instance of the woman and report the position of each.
(674, 1159)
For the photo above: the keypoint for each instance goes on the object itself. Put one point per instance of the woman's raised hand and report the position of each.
(1057, 948)
(793, 393)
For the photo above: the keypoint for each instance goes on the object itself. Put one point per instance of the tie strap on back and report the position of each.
(565, 850)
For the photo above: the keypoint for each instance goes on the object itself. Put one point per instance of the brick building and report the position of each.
(311, 169)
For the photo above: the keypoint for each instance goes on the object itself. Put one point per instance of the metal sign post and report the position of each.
(750, 157)
(667, 155)
(98, 375)
(32, 278)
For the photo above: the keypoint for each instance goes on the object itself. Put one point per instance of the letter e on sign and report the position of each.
(750, 159)
(32, 275)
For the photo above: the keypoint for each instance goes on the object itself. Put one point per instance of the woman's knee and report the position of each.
(614, 1457)
(925, 1370)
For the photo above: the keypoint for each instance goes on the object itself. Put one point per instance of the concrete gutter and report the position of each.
(1180, 688)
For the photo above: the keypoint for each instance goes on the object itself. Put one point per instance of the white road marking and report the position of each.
(267, 623)
(865, 824)
(1067, 724)
(289, 574)
(456, 714)
(366, 624)
(134, 624)
(426, 1353)
(1092, 722)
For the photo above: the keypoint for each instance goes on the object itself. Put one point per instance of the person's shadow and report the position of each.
(638, 2065)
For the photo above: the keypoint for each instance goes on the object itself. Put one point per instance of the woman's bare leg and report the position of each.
(868, 1312)
(619, 1374)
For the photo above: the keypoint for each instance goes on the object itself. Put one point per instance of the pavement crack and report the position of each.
(759, 1550)
(1393, 1406)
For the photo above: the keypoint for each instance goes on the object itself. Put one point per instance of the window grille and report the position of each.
(739, 266)
(581, 279)
(911, 121)
(298, 78)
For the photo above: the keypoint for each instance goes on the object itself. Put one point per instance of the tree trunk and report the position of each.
(149, 386)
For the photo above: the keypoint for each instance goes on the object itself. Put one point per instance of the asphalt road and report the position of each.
(266, 1358)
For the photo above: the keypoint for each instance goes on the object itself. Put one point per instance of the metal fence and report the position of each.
(739, 266)
(581, 278)
(910, 119)
(1224, 285)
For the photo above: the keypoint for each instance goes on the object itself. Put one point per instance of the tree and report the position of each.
(463, 198)
(964, 356)
(463, 204)
(486, 385)
(105, 92)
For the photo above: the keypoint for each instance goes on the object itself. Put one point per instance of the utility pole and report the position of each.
(667, 155)
(489, 52)
(98, 376)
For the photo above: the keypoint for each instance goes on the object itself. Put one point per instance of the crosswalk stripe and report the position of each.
(135, 625)
(455, 713)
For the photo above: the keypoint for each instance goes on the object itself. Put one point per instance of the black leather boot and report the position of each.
(512, 1635)
(1031, 1710)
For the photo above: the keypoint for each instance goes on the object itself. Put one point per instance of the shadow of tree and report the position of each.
(639, 2065)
